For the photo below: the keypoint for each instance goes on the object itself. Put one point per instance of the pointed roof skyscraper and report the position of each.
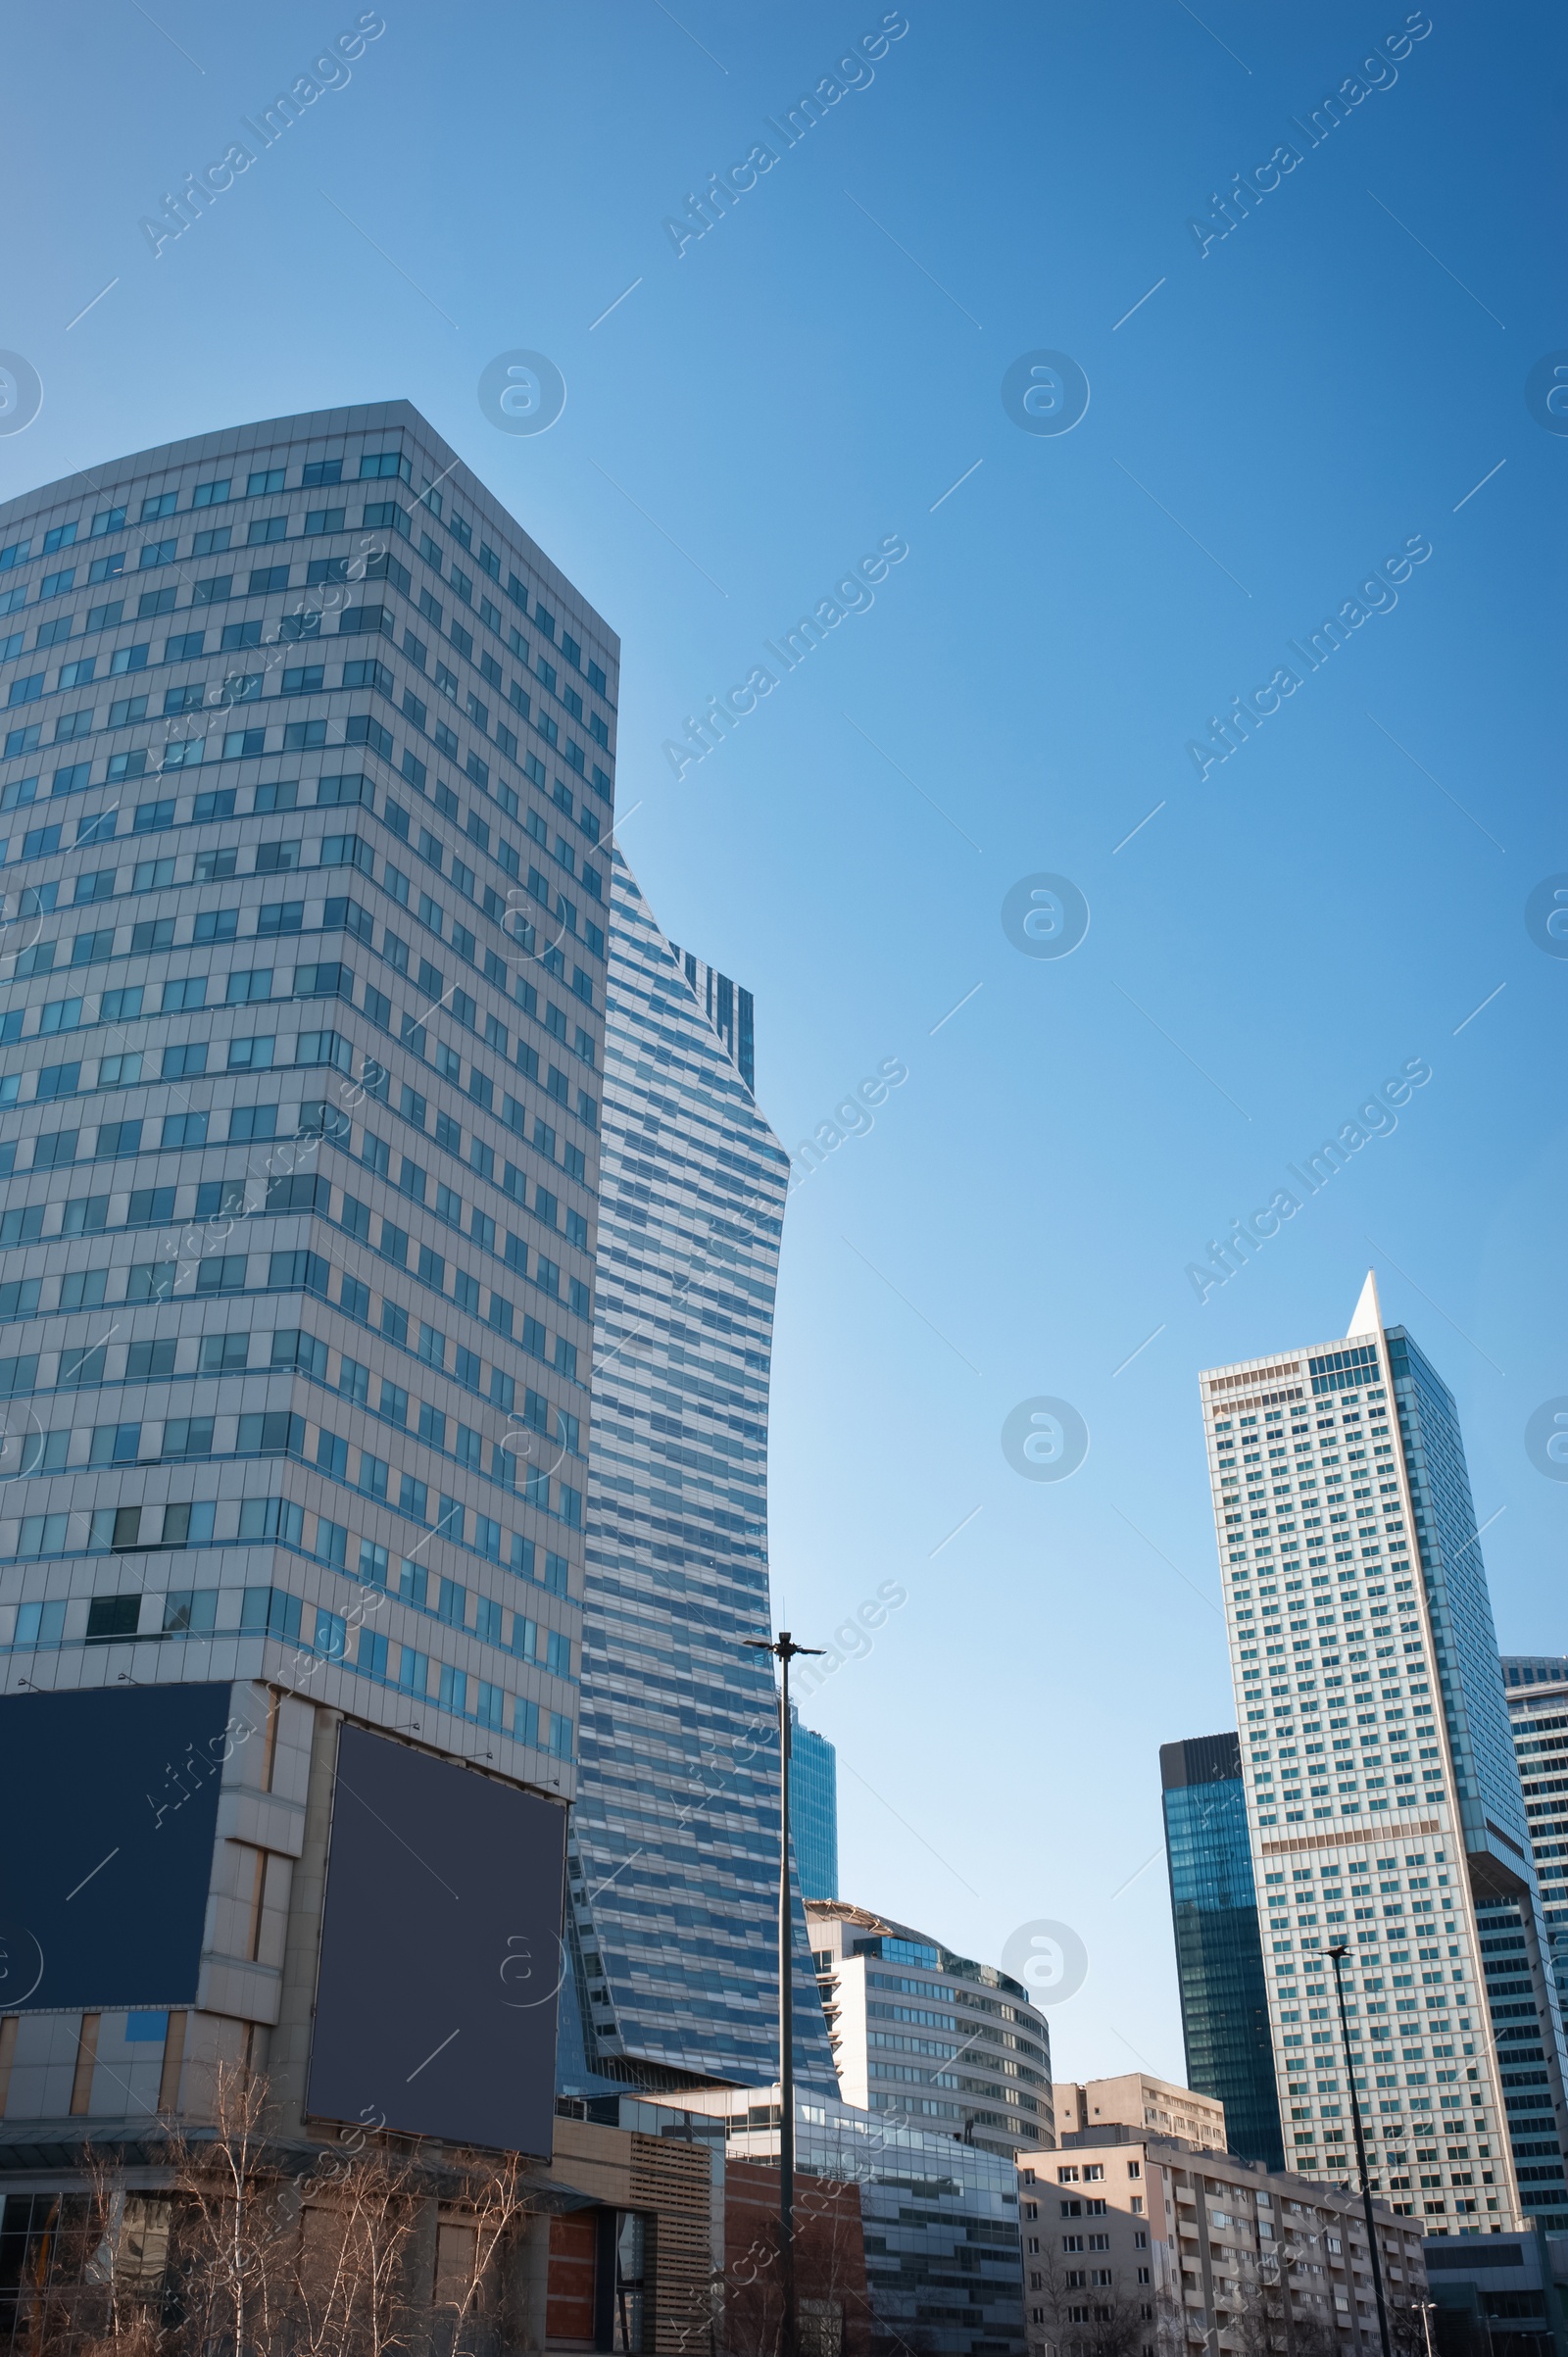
(1368, 1318)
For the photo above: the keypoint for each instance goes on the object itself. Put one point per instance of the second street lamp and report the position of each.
(1337, 1957)
(784, 1650)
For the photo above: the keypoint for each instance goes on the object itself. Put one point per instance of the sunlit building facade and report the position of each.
(1383, 1798)
(304, 799)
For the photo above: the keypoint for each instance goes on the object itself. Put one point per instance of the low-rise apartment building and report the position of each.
(1137, 2099)
(1147, 2243)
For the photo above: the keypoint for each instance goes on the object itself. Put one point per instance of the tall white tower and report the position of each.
(1383, 1799)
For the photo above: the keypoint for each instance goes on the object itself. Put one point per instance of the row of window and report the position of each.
(313, 1120)
(274, 1612)
(304, 625)
(230, 1201)
(226, 1200)
(194, 1612)
(374, 467)
(250, 743)
(338, 912)
(130, 1529)
(188, 993)
(191, 751)
(219, 590)
(336, 792)
(223, 1273)
(267, 481)
(237, 689)
(284, 1435)
(185, 1438)
(259, 1054)
(253, 985)
(281, 1433)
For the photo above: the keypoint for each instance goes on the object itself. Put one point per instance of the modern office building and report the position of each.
(1137, 2099)
(813, 1810)
(1383, 1798)
(675, 1832)
(305, 795)
(939, 2217)
(1219, 1952)
(951, 2046)
(1139, 2242)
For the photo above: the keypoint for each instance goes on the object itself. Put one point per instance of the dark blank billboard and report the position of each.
(441, 1951)
(111, 1811)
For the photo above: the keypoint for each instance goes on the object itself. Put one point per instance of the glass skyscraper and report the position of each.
(1383, 1798)
(675, 1832)
(813, 1810)
(1219, 1954)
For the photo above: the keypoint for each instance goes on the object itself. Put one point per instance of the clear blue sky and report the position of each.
(1280, 414)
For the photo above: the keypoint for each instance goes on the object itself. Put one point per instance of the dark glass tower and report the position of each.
(814, 1809)
(1219, 1955)
(675, 1835)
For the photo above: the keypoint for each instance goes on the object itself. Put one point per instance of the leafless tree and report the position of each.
(261, 2249)
(234, 2216)
(831, 2305)
(486, 2203)
(1095, 2319)
(1273, 2319)
(1408, 2330)
(349, 2284)
(118, 2315)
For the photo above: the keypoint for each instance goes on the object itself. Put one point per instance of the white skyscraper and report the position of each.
(1383, 1798)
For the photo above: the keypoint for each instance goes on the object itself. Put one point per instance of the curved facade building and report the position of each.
(675, 1832)
(942, 2043)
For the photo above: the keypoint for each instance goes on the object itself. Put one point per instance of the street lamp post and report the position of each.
(784, 1650)
(1337, 1955)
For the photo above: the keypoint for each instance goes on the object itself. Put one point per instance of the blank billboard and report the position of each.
(441, 1951)
(108, 1855)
